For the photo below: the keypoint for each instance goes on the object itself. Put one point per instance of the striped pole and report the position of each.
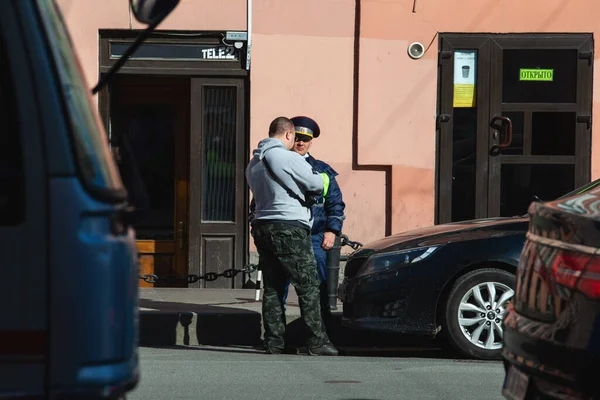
(257, 292)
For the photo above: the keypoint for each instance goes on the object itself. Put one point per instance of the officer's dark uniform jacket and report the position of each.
(328, 215)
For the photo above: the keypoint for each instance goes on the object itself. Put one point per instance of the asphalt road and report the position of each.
(244, 373)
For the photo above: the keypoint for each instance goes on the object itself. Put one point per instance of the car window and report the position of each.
(12, 188)
(90, 142)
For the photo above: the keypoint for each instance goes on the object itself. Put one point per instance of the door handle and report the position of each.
(501, 123)
(182, 234)
(442, 118)
(585, 119)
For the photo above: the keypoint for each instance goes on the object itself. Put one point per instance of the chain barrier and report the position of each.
(192, 278)
(228, 273)
(347, 242)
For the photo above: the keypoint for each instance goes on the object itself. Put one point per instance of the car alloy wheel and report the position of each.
(481, 312)
(474, 311)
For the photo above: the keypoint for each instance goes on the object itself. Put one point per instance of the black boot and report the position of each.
(326, 349)
(273, 350)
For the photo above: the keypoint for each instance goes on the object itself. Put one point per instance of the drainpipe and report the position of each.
(249, 116)
(249, 33)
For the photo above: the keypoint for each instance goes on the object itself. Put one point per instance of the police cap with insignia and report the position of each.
(306, 126)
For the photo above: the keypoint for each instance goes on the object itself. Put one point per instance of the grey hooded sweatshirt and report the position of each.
(273, 201)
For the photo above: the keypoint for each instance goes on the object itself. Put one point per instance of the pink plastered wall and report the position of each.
(303, 64)
(303, 59)
(397, 104)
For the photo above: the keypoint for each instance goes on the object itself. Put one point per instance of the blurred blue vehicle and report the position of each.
(68, 261)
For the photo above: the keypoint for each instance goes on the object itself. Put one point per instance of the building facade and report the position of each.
(431, 111)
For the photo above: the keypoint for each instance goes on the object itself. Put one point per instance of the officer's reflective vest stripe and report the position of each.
(325, 184)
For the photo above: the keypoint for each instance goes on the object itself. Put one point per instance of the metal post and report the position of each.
(257, 289)
(333, 272)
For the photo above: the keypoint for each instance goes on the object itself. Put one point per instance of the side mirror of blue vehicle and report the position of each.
(150, 11)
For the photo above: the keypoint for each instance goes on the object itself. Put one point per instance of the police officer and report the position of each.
(281, 182)
(328, 213)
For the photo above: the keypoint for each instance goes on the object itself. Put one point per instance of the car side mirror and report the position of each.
(150, 11)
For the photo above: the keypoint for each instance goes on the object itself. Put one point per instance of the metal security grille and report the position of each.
(218, 162)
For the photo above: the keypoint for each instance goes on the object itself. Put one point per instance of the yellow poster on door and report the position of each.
(464, 95)
(465, 73)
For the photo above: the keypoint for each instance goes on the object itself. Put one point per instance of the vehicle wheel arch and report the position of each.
(440, 306)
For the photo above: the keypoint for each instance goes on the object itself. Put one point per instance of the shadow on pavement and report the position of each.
(374, 344)
(171, 324)
(215, 349)
(190, 326)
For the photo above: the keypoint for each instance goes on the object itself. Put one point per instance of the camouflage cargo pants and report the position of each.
(285, 253)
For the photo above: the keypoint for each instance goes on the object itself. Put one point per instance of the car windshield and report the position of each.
(95, 162)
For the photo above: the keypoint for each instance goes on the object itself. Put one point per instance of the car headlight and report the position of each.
(380, 262)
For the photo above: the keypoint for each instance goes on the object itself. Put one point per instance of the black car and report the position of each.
(454, 278)
(552, 328)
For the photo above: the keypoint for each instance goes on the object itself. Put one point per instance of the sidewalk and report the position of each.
(204, 316)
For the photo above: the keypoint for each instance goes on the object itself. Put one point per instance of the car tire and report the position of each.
(473, 320)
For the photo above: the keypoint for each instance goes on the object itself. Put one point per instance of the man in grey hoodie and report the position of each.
(282, 183)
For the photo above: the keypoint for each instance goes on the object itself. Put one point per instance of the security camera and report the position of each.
(416, 50)
(238, 45)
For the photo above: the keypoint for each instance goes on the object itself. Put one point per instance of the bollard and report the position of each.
(257, 290)
(333, 272)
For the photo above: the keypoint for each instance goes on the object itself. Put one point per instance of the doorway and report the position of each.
(150, 123)
(187, 137)
(514, 122)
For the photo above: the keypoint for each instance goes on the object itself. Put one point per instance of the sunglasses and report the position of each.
(302, 138)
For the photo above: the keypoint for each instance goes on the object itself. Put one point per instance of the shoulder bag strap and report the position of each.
(283, 185)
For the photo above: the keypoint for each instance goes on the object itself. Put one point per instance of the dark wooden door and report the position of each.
(150, 115)
(514, 122)
(218, 207)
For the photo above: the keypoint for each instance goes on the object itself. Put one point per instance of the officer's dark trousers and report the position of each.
(285, 253)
